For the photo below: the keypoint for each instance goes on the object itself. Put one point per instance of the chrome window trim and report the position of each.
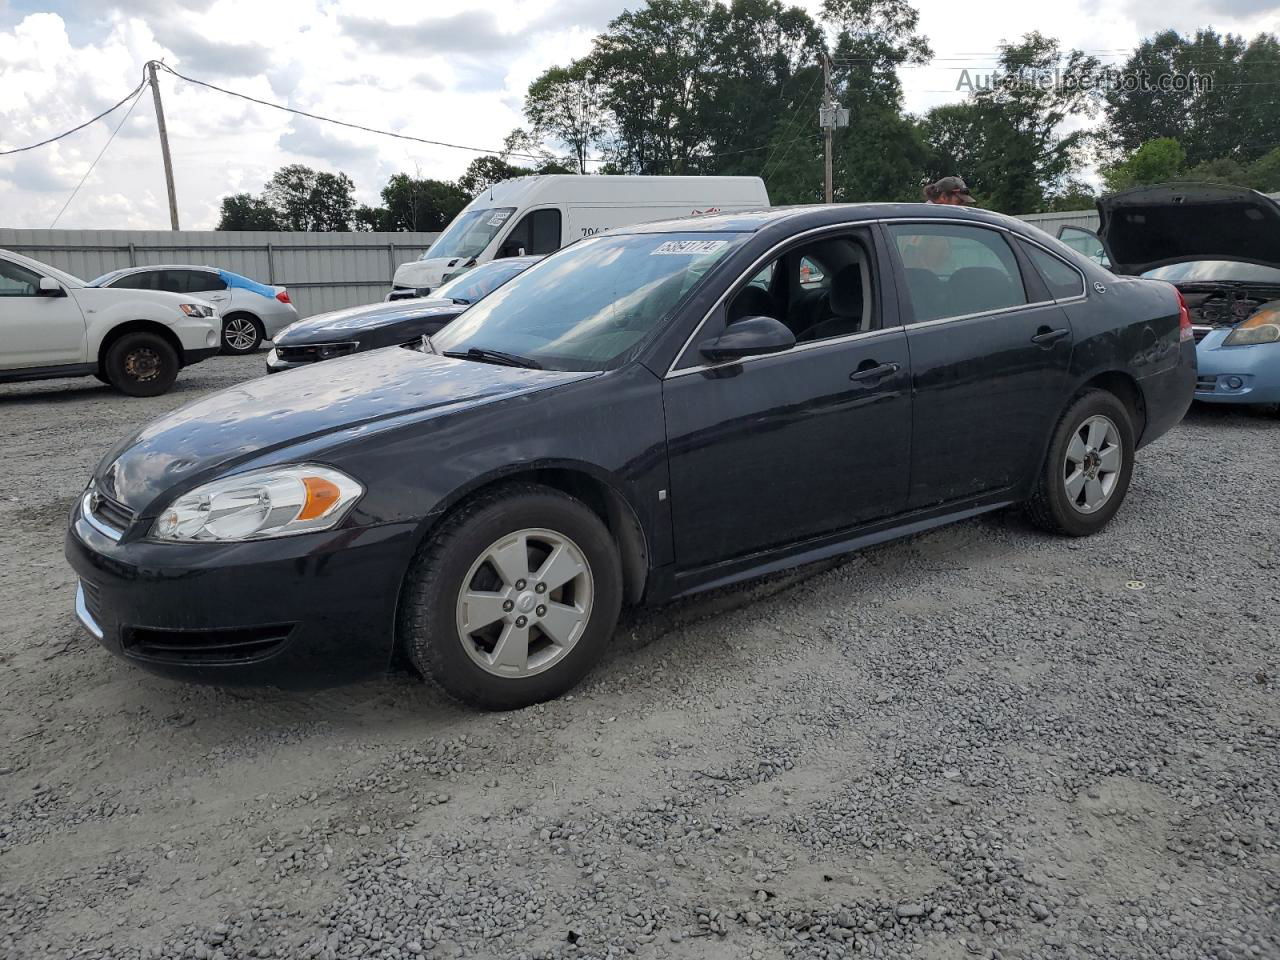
(83, 615)
(835, 228)
(86, 511)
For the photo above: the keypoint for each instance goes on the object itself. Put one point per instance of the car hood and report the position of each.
(1149, 227)
(427, 273)
(215, 434)
(347, 324)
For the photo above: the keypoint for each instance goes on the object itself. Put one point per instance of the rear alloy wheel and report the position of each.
(141, 365)
(240, 334)
(513, 599)
(1087, 471)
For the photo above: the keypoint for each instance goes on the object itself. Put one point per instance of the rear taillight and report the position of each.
(283, 296)
(1184, 318)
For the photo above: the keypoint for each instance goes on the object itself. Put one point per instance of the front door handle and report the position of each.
(1046, 337)
(874, 372)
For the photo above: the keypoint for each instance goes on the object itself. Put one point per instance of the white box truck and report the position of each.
(540, 214)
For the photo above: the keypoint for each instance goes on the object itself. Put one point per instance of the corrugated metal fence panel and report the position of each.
(323, 271)
(1050, 222)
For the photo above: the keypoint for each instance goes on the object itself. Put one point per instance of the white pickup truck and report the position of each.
(53, 325)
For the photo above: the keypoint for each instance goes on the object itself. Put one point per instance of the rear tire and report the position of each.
(1088, 468)
(141, 365)
(241, 334)
(478, 595)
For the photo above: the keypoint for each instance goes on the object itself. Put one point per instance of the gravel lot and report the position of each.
(979, 742)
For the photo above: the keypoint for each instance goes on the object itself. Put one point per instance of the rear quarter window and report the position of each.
(1062, 279)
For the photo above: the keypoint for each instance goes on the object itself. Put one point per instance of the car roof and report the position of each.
(817, 215)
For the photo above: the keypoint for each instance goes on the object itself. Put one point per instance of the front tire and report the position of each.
(241, 334)
(1087, 472)
(513, 600)
(141, 365)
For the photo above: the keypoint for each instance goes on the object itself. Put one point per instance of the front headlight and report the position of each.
(1262, 327)
(275, 502)
(196, 310)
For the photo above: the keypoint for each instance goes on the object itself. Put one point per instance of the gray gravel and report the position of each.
(980, 742)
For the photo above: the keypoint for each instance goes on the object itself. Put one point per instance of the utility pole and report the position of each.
(164, 146)
(830, 116)
(828, 122)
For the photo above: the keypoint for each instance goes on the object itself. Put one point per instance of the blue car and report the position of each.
(1220, 246)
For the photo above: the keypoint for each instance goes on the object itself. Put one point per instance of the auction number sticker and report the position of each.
(688, 248)
(499, 218)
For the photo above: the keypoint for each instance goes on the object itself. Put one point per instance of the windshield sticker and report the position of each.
(499, 218)
(688, 248)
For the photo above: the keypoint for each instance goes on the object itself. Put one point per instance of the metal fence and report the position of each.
(323, 271)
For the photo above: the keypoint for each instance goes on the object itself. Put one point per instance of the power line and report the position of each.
(359, 126)
(136, 98)
(111, 109)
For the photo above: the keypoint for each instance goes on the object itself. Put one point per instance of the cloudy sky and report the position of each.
(417, 67)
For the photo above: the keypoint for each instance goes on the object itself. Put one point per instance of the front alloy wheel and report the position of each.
(524, 603)
(512, 598)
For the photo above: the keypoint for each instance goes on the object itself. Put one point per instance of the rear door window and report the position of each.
(146, 280)
(956, 271)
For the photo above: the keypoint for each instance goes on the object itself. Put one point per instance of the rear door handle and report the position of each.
(876, 372)
(1045, 337)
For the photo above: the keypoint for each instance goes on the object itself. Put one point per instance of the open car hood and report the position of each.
(1149, 227)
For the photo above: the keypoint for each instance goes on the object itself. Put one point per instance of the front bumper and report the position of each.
(1249, 374)
(306, 611)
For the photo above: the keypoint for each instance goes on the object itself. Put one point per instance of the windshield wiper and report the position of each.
(485, 355)
(460, 301)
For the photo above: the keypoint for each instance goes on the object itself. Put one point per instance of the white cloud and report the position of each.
(432, 73)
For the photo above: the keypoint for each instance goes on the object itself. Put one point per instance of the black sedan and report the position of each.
(327, 336)
(645, 414)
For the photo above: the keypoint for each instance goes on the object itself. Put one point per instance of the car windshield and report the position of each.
(479, 282)
(106, 278)
(587, 306)
(1215, 271)
(469, 233)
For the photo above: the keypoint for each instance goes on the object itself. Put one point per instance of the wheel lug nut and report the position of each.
(542, 611)
(508, 606)
(540, 588)
(520, 584)
(521, 621)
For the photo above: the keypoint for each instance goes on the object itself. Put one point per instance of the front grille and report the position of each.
(233, 645)
(311, 352)
(113, 513)
(1200, 331)
(1206, 383)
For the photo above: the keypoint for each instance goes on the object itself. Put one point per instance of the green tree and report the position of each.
(1007, 140)
(1228, 111)
(566, 104)
(416, 205)
(242, 211)
(880, 155)
(655, 66)
(306, 199)
(1156, 161)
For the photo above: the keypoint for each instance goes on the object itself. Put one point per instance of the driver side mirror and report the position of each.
(50, 287)
(749, 337)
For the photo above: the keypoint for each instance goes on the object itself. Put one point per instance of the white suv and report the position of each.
(53, 325)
